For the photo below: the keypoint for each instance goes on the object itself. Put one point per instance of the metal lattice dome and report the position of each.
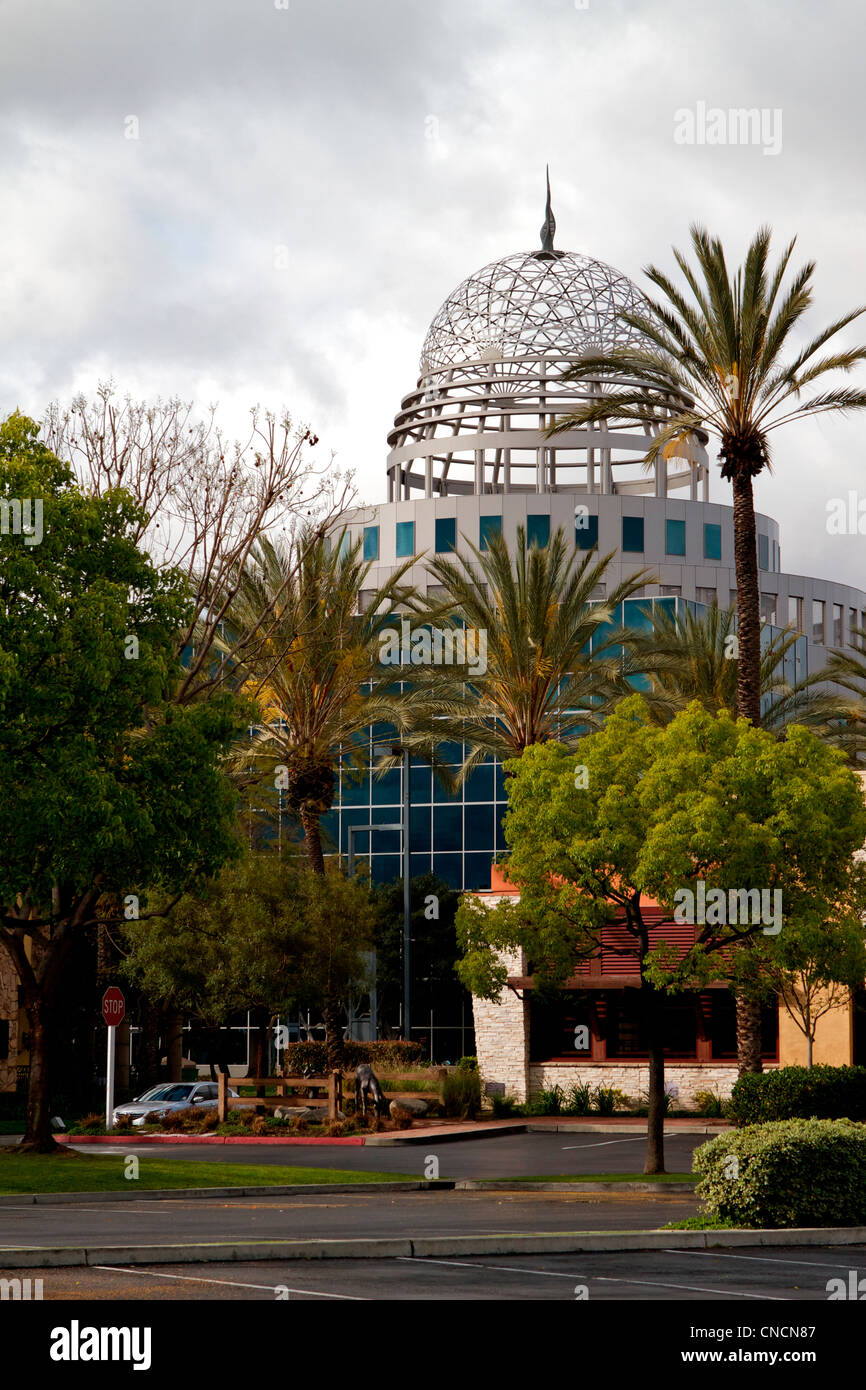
(494, 378)
(533, 304)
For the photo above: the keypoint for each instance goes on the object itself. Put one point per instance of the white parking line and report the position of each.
(557, 1274)
(641, 1139)
(689, 1288)
(229, 1283)
(471, 1264)
(764, 1259)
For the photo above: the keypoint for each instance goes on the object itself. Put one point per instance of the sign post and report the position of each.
(113, 1012)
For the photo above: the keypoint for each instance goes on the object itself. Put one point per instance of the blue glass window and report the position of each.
(675, 537)
(585, 531)
(537, 531)
(763, 553)
(712, 541)
(371, 542)
(632, 533)
(405, 539)
(488, 526)
(446, 534)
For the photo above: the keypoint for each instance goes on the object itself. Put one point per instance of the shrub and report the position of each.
(709, 1103)
(785, 1173)
(579, 1099)
(461, 1095)
(505, 1107)
(608, 1099)
(393, 1052)
(94, 1123)
(547, 1101)
(467, 1064)
(789, 1093)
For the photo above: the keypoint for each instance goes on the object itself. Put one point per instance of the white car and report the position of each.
(172, 1095)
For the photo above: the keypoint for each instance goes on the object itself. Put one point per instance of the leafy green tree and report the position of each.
(109, 790)
(648, 815)
(268, 934)
(814, 966)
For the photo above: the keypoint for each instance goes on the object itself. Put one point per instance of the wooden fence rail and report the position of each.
(333, 1082)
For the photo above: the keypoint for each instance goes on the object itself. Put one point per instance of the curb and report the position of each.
(186, 1194)
(131, 1141)
(654, 1189)
(430, 1136)
(534, 1243)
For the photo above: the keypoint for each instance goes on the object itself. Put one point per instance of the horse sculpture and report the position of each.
(367, 1088)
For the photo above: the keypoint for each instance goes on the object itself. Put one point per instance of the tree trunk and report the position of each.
(748, 703)
(748, 601)
(333, 1034)
(655, 1147)
(38, 1137)
(748, 1036)
(313, 840)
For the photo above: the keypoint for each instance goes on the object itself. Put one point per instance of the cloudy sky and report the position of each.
(244, 201)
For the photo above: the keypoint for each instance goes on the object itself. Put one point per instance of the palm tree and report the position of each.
(690, 657)
(554, 662)
(713, 364)
(848, 669)
(315, 678)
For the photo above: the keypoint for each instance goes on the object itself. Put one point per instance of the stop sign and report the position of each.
(113, 1006)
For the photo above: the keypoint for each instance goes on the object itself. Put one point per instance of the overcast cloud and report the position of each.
(309, 182)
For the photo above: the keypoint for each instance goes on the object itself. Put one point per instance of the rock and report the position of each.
(414, 1104)
(400, 1115)
(310, 1114)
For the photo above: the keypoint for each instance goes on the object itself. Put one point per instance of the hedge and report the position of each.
(786, 1173)
(391, 1055)
(790, 1093)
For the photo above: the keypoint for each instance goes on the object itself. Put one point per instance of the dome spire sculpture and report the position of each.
(548, 228)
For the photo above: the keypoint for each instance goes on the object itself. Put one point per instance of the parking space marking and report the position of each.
(764, 1259)
(689, 1288)
(605, 1143)
(470, 1264)
(228, 1283)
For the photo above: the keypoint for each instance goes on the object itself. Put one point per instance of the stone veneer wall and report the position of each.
(502, 1036)
(632, 1078)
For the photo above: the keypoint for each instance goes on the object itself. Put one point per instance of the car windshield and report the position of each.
(166, 1093)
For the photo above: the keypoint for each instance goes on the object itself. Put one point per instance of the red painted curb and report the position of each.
(197, 1139)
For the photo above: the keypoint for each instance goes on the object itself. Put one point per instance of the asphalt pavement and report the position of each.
(783, 1275)
(506, 1156)
(414, 1214)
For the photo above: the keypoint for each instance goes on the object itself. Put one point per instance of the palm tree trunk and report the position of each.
(313, 840)
(331, 1007)
(748, 1036)
(748, 703)
(748, 601)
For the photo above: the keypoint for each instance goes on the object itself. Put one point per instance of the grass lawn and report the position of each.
(604, 1177)
(74, 1172)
